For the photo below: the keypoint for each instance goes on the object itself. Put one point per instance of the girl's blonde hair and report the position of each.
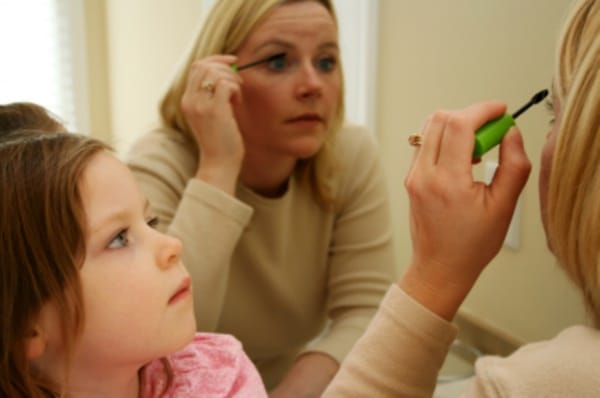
(574, 189)
(225, 29)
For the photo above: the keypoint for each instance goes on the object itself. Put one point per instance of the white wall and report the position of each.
(146, 40)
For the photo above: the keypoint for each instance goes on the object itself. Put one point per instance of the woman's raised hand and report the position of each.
(211, 89)
(458, 224)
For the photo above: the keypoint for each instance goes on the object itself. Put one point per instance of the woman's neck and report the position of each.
(267, 176)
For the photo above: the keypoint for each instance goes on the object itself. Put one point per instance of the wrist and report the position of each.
(439, 289)
(223, 177)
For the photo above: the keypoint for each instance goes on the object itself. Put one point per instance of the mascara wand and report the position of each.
(260, 61)
(491, 133)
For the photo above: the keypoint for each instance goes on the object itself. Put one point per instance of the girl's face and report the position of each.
(137, 294)
(288, 104)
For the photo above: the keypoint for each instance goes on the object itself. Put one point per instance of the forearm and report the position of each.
(308, 377)
(209, 223)
(399, 355)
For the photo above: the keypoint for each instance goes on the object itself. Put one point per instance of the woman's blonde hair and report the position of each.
(574, 189)
(225, 29)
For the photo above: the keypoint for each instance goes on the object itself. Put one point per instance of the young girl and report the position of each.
(94, 301)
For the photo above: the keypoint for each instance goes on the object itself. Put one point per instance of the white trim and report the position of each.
(206, 4)
(358, 20)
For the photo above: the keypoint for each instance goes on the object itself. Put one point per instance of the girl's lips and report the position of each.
(182, 291)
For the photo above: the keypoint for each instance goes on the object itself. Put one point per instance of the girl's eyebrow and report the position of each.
(114, 216)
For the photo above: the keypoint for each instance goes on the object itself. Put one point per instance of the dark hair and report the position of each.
(27, 115)
(42, 246)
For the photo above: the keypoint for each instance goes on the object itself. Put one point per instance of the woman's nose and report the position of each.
(310, 84)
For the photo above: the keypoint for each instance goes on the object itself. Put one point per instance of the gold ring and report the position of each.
(415, 139)
(208, 86)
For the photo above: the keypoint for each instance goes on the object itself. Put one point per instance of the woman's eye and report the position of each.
(153, 222)
(278, 64)
(120, 240)
(326, 64)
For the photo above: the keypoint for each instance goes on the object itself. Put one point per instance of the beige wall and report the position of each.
(146, 40)
(446, 54)
(432, 54)
(98, 87)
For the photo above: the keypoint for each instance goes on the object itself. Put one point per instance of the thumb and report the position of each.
(513, 169)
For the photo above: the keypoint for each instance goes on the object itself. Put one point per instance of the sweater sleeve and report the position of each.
(209, 222)
(361, 255)
(400, 354)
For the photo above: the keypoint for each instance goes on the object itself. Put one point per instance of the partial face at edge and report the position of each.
(546, 162)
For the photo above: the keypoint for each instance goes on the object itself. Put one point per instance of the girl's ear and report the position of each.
(35, 343)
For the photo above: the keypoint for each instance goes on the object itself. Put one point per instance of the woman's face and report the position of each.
(289, 104)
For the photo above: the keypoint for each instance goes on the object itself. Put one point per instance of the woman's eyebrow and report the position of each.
(274, 42)
(288, 45)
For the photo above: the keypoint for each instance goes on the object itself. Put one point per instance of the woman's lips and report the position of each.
(307, 118)
(182, 291)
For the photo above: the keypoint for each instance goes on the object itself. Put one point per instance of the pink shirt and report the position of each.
(212, 365)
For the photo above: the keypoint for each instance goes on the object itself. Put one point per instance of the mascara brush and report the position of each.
(260, 61)
(491, 133)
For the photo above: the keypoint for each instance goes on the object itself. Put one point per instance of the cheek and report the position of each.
(258, 101)
(335, 85)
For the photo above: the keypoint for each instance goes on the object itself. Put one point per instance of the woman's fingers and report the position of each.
(432, 137)
(456, 149)
(513, 170)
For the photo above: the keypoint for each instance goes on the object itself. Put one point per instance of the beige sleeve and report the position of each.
(208, 221)
(399, 355)
(361, 257)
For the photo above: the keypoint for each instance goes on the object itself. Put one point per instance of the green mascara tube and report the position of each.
(491, 133)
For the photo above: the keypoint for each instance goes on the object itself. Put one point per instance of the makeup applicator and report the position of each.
(260, 61)
(491, 133)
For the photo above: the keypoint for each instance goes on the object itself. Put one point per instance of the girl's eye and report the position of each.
(120, 240)
(153, 222)
(278, 64)
(326, 64)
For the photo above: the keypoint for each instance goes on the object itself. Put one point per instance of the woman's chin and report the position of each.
(306, 148)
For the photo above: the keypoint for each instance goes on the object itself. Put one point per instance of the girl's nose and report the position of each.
(169, 252)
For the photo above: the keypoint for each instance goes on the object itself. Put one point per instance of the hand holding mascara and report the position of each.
(491, 133)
